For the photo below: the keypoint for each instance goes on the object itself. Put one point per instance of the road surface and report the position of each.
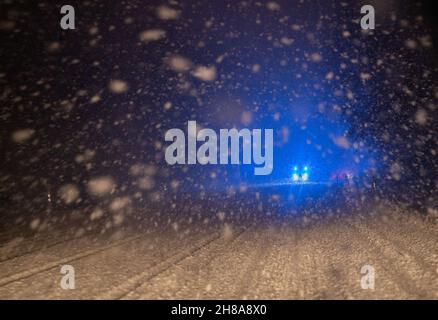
(303, 257)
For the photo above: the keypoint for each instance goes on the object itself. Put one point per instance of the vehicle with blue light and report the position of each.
(300, 174)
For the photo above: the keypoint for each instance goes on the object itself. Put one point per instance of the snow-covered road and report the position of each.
(300, 258)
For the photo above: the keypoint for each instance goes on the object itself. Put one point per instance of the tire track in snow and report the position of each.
(130, 289)
(136, 281)
(30, 272)
(408, 244)
(406, 271)
(43, 247)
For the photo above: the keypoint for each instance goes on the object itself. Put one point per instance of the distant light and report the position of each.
(305, 177)
(295, 177)
(306, 168)
(295, 168)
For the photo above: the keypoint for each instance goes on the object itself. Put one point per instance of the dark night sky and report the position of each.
(303, 67)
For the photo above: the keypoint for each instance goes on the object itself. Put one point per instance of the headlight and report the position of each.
(295, 177)
(305, 177)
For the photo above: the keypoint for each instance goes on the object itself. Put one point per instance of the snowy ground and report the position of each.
(298, 258)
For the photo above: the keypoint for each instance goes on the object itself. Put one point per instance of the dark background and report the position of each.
(49, 76)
